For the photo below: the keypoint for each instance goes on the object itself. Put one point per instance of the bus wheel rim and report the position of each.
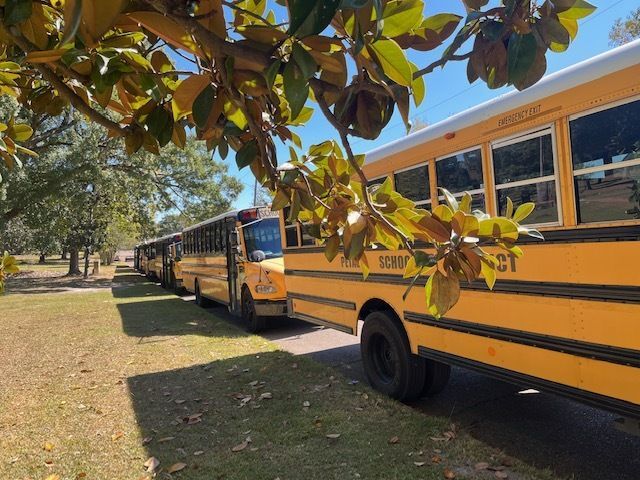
(383, 358)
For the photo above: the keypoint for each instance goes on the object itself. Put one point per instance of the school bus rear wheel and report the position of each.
(389, 365)
(201, 300)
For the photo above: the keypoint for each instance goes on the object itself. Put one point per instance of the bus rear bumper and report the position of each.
(271, 308)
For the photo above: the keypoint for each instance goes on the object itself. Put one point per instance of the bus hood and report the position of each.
(273, 265)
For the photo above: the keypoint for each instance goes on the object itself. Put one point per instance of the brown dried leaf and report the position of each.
(449, 474)
(240, 446)
(151, 464)
(179, 402)
(146, 440)
(117, 436)
(481, 466)
(176, 467)
(165, 439)
(266, 396)
(333, 435)
(419, 464)
(47, 447)
(501, 474)
(393, 440)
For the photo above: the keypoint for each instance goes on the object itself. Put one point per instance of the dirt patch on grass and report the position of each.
(93, 385)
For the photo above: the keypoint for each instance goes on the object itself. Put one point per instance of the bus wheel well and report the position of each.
(377, 305)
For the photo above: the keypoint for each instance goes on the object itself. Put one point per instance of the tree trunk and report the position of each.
(74, 261)
(42, 259)
(86, 262)
(64, 255)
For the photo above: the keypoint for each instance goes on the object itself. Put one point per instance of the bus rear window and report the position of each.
(605, 149)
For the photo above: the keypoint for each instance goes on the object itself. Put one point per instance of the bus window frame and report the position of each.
(476, 191)
(602, 168)
(412, 167)
(521, 136)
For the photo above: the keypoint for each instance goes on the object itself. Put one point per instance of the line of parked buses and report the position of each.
(565, 318)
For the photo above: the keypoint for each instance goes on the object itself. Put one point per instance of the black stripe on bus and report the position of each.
(595, 351)
(621, 407)
(576, 235)
(198, 274)
(612, 293)
(322, 322)
(323, 300)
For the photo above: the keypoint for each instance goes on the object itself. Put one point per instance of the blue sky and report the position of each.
(448, 91)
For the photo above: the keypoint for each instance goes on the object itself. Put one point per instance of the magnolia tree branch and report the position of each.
(65, 91)
(317, 90)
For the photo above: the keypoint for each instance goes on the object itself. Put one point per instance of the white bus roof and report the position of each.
(614, 60)
(230, 213)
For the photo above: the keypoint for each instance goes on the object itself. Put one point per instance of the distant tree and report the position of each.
(418, 124)
(625, 30)
(16, 236)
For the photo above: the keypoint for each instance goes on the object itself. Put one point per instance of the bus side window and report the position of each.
(460, 173)
(525, 172)
(605, 149)
(414, 184)
(216, 227)
(207, 238)
(212, 245)
(290, 230)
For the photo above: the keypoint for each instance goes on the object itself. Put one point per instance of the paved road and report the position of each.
(573, 440)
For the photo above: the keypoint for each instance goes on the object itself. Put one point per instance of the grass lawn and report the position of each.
(93, 384)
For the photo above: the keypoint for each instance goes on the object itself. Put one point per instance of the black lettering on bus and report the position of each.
(512, 257)
(502, 262)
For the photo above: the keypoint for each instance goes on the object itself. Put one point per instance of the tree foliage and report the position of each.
(625, 30)
(253, 80)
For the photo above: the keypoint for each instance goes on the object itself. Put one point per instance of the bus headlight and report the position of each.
(265, 289)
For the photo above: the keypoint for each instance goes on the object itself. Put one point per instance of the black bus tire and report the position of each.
(388, 363)
(436, 377)
(253, 323)
(201, 300)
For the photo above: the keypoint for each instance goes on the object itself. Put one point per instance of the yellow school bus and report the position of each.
(565, 318)
(236, 259)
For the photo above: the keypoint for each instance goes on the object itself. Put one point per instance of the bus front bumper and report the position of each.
(271, 308)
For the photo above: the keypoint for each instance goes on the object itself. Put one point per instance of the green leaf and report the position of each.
(523, 211)
(574, 9)
(202, 106)
(17, 11)
(393, 61)
(401, 16)
(310, 17)
(271, 72)
(418, 88)
(247, 154)
(296, 88)
(332, 246)
(522, 52)
(304, 60)
(451, 200)
(160, 125)
(509, 212)
(488, 272)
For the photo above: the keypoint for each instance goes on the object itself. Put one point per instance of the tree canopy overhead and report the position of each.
(253, 79)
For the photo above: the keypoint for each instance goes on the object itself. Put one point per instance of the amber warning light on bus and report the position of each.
(449, 135)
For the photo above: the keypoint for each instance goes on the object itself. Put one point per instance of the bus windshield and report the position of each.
(263, 235)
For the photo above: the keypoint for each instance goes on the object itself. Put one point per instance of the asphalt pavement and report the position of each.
(573, 440)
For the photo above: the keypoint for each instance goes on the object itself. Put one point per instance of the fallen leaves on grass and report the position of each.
(147, 440)
(193, 419)
(333, 435)
(481, 466)
(165, 439)
(53, 477)
(449, 474)
(266, 396)
(117, 436)
(240, 446)
(47, 447)
(151, 464)
(501, 474)
(419, 464)
(393, 440)
(176, 467)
